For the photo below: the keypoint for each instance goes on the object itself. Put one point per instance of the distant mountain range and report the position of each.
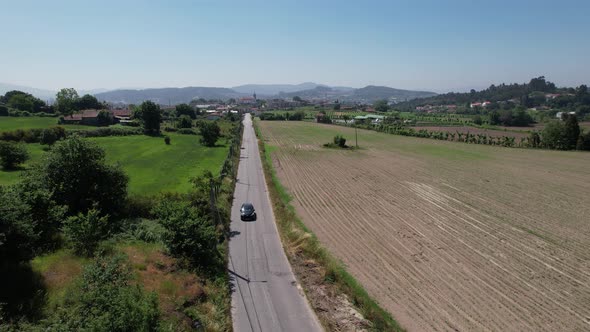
(42, 94)
(174, 96)
(167, 96)
(367, 94)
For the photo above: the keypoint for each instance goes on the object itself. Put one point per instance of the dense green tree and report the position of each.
(88, 102)
(185, 109)
(65, 101)
(553, 136)
(381, 106)
(105, 118)
(477, 120)
(189, 233)
(3, 110)
(151, 117)
(494, 118)
(210, 133)
(21, 103)
(51, 135)
(17, 231)
(584, 142)
(85, 231)
(76, 172)
(12, 154)
(571, 131)
(185, 122)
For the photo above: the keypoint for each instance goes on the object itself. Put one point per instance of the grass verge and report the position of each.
(301, 241)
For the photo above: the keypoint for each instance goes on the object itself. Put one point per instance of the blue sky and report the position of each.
(431, 45)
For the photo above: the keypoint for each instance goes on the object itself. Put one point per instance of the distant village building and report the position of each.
(248, 100)
(90, 117)
(559, 115)
(482, 104)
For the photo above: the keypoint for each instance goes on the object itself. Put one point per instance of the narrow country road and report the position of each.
(265, 293)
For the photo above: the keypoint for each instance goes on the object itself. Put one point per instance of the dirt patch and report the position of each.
(159, 273)
(331, 306)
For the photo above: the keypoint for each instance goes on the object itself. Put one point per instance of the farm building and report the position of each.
(375, 119)
(90, 117)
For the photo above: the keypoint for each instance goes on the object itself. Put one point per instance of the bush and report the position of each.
(12, 154)
(139, 207)
(17, 231)
(76, 173)
(340, 141)
(104, 132)
(210, 133)
(185, 122)
(186, 131)
(167, 140)
(189, 233)
(146, 230)
(51, 135)
(85, 231)
(105, 300)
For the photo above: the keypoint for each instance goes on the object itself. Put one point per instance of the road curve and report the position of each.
(265, 293)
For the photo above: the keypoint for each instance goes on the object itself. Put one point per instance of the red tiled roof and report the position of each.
(124, 113)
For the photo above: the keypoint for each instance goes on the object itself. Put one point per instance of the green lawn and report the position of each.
(11, 177)
(151, 165)
(9, 123)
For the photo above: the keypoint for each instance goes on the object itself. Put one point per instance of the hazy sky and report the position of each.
(437, 45)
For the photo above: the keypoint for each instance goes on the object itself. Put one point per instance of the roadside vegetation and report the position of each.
(115, 228)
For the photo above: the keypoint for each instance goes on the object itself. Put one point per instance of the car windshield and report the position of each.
(247, 207)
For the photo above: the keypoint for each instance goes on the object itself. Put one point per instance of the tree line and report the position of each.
(67, 102)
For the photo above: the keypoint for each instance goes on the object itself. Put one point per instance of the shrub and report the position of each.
(167, 140)
(12, 154)
(186, 131)
(105, 300)
(340, 141)
(185, 122)
(50, 135)
(189, 233)
(17, 232)
(139, 207)
(104, 132)
(85, 231)
(3, 110)
(146, 230)
(210, 133)
(76, 173)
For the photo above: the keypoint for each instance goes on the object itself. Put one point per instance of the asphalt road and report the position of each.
(266, 295)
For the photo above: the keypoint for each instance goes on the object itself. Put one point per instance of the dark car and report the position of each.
(247, 212)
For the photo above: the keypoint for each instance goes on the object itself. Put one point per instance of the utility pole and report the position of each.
(356, 137)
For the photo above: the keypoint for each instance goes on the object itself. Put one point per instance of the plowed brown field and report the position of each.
(447, 236)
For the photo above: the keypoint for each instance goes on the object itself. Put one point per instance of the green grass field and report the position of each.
(151, 165)
(9, 123)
